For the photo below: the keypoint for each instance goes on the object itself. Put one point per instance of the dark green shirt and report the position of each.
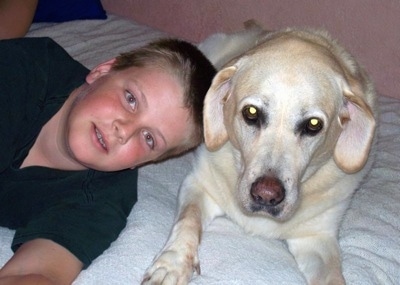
(84, 211)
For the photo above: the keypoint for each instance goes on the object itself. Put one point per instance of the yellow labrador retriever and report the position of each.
(289, 125)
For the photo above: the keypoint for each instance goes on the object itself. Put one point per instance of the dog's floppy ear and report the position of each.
(354, 143)
(215, 134)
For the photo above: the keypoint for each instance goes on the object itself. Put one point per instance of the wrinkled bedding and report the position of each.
(369, 235)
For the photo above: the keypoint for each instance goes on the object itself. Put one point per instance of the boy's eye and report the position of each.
(149, 139)
(130, 99)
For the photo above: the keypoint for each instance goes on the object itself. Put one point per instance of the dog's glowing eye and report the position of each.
(250, 113)
(252, 110)
(313, 126)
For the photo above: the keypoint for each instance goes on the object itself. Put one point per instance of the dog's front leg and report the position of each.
(178, 259)
(318, 257)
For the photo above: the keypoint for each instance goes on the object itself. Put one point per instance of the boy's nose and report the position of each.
(123, 131)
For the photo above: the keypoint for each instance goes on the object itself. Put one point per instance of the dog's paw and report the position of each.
(172, 268)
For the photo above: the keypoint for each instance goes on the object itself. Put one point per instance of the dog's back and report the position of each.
(220, 48)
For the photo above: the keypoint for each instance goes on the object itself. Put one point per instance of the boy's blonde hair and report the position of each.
(184, 61)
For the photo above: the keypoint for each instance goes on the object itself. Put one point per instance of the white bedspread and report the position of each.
(369, 236)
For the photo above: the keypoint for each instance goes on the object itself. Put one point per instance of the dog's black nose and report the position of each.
(267, 191)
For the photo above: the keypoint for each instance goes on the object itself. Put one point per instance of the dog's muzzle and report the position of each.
(267, 193)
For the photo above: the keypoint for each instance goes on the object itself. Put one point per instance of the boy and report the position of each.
(72, 140)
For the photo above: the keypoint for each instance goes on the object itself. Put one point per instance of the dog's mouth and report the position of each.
(281, 212)
(274, 211)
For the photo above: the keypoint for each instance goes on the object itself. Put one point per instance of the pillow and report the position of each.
(68, 10)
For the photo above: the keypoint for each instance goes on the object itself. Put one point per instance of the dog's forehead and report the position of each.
(289, 71)
(290, 54)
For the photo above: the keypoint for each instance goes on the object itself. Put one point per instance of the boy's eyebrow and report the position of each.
(143, 100)
(159, 134)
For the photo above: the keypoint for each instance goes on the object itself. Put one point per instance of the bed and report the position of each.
(369, 235)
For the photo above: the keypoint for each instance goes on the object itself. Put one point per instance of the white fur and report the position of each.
(290, 76)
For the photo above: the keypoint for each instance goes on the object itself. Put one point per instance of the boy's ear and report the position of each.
(99, 71)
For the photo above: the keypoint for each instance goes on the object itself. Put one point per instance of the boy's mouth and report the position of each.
(100, 138)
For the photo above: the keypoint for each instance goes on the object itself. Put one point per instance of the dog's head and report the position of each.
(289, 106)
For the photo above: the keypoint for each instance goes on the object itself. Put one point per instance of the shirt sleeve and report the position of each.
(85, 215)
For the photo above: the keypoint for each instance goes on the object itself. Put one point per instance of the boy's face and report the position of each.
(126, 118)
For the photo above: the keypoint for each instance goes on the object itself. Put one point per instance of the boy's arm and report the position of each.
(16, 17)
(41, 261)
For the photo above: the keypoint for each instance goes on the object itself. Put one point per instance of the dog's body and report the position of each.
(288, 126)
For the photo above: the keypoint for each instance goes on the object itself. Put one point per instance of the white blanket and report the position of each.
(369, 236)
